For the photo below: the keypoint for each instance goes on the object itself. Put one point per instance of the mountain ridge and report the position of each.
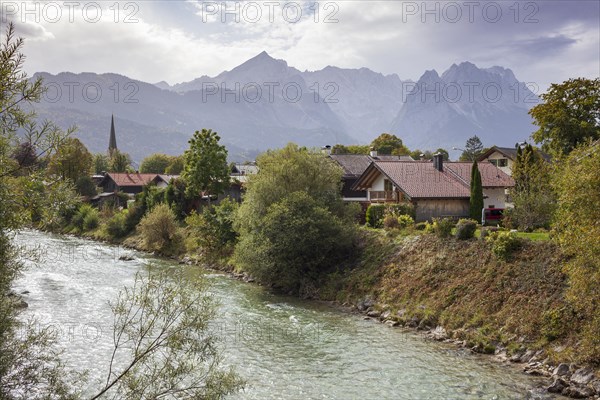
(265, 103)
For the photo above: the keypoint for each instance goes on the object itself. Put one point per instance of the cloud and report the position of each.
(182, 40)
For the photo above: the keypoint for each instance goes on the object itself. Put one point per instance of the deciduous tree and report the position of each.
(569, 115)
(205, 168)
(155, 163)
(389, 144)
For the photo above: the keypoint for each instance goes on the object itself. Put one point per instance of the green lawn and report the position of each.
(534, 235)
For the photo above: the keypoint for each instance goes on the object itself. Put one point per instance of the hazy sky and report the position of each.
(541, 41)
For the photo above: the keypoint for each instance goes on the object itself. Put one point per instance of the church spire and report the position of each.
(112, 143)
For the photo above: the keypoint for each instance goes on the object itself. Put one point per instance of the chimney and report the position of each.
(326, 150)
(438, 161)
(373, 152)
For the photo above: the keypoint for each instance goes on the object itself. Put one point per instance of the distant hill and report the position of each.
(264, 103)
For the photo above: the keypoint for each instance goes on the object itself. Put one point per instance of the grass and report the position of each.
(535, 236)
(460, 285)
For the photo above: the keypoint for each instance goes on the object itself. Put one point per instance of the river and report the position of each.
(284, 347)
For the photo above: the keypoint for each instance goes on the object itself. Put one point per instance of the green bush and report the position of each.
(465, 229)
(405, 221)
(375, 214)
(504, 244)
(80, 215)
(401, 209)
(212, 230)
(442, 227)
(116, 226)
(91, 220)
(159, 229)
(134, 215)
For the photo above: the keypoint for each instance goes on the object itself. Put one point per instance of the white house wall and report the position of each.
(495, 197)
(499, 156)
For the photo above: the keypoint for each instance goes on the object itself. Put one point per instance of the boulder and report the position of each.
(439, 333)
(126, 257)
(578, 392)
(561, 370)
(527, 356)
(583, 376)
(385, 315)
(374, 314)
(557, 386)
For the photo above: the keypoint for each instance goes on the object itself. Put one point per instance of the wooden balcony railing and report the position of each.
(383, 196)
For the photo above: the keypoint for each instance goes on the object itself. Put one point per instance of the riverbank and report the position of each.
(457, 292)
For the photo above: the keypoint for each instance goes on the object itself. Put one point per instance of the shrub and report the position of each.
(401, 209)
(405, 221)
(82, 212)
(390, 221)
(421, 226)
(375, 214)
(116, 226)
(158, 228)
(504, 244)
(465, 229)
(442, 227)
(134, 215)
(212, 230)
(91, 220)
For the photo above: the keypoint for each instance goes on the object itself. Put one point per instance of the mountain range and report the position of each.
(264, 103)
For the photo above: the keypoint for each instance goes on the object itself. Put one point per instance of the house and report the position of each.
(504, 157)
(162, 180)
(437, 189)
(240, 173)
(354, 165)
(130, 183)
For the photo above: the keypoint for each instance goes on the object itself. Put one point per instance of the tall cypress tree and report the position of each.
(476, 199)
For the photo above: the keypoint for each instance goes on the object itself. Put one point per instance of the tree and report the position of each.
(350, 149)
(28, 369)
(26, 155)
(119, 162)
(532, 196)
(293, 225)
(577, 184)
(175, 167)
(476, 198)
(212, 230)
(100, 163)
(71, 161)
(389, 144)
(155, 163)
(162, 332)
(444, 152)
(473, 149)
(205, 167)
(569, 115)
(85, 186)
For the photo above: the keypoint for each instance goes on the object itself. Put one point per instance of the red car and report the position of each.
(492, 215)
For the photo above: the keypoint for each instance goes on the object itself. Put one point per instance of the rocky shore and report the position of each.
(571, 380)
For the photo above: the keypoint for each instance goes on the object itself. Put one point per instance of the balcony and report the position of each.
(383, 196)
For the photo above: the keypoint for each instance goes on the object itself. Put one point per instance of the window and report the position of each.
(387, 185)
(495, 162)
(503, 162)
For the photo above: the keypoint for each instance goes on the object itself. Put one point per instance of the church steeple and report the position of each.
(112, 142)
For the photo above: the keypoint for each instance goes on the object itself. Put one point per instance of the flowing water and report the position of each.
(284, 347)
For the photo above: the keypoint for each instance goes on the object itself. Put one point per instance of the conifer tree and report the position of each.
(476, 199)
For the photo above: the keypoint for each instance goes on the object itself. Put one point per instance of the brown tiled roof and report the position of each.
(491, 176)
(130, 179)
(508, 152)
(355, 164)
(420, 180)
